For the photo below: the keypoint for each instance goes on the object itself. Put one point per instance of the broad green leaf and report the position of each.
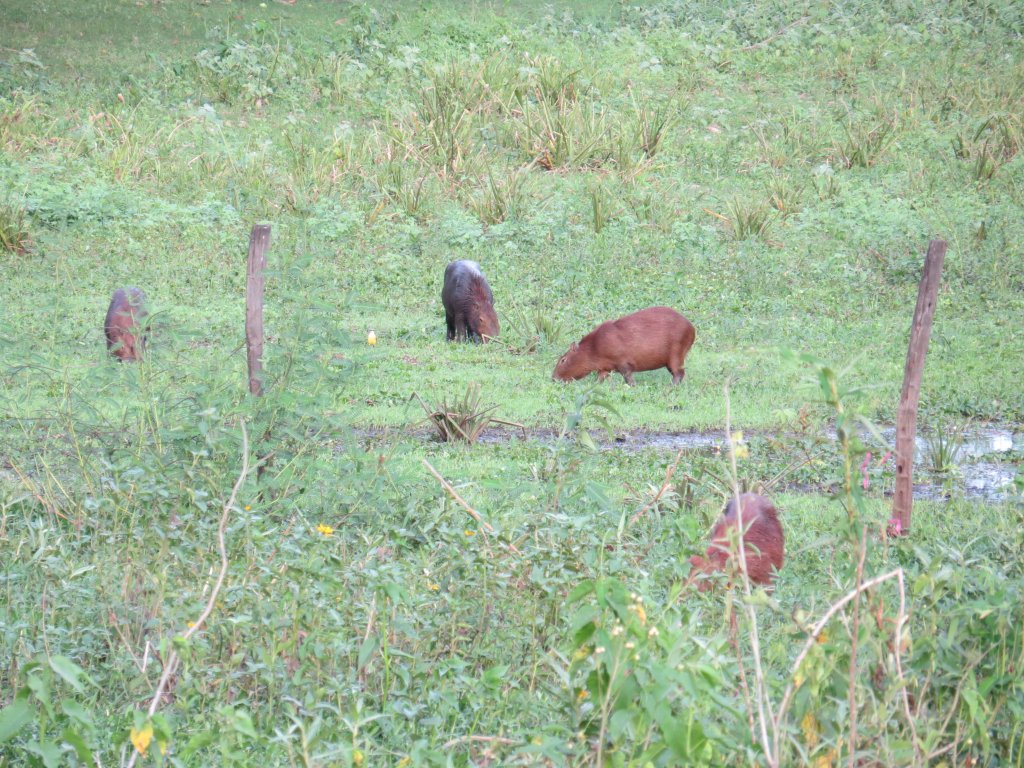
(13, 718)
(366, 651)
(70, 672)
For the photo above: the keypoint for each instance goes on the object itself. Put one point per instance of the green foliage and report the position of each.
(643, 690)
(575, 152)
(944, 447)
(463, 419)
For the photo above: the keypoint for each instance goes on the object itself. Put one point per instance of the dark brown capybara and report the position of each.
(763, 543)
(125, 325)
(656, 337)
(468, 303)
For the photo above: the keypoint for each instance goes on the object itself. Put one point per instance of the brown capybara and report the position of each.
(468, 303)
(656, 337)
(763, 542)
(125, 325)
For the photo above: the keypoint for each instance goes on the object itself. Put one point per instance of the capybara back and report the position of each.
(656, 337)
(763, 542)
(468, 303)
(125, 325)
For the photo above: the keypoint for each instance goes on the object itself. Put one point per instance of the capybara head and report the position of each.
(763, 542)
(572, 365)
(125, 325)
(483, 321)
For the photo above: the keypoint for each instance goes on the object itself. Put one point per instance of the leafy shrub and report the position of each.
(237, 70)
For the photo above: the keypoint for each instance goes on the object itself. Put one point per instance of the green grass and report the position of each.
(775, 172)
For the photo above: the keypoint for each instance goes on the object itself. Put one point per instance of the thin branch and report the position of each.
(465, 505)
(778, 34)
(488, 739)
(852, 698)
(664, 487)
(816, 631)
(172, 660)
(896, 652)
(761, 698)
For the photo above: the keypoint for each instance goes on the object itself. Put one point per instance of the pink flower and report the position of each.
(864, 469)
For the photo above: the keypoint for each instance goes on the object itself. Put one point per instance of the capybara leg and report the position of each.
(460, 328)
(627, 374)
(602, 375)
(678, 375)
(451, 326)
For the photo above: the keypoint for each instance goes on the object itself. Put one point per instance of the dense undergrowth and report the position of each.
(774, 171)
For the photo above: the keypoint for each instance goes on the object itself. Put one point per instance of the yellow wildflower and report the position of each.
(141, 737)
(739, 448)
(809, 725)
(468, 532)
(326, 530)
(582, 694)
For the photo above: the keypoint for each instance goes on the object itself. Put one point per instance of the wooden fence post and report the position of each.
(259, 243)
(906, 417)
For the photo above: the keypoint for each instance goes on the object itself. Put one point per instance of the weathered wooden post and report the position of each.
(259, 243)
(906, 417)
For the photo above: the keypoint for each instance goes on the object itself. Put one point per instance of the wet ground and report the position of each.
(983, 461)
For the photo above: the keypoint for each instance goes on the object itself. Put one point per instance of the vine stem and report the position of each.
(172, 660)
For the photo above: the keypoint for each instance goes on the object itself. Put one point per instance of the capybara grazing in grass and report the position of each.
(125, 325)
(656, 337)
(763, 542)
(468, 303)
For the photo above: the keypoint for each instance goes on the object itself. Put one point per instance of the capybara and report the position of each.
(468, 303)
(763, 542)
(125, 325)
(656, 337)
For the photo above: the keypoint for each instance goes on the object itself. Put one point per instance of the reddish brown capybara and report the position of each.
(468, 303)
(125, 325)
(656, 337)
(763, 542)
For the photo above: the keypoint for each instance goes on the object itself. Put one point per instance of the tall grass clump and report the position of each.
(865, 141)
(746, 219)
(15, 236)
(996, 141)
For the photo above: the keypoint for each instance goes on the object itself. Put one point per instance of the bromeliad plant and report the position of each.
(463, 419)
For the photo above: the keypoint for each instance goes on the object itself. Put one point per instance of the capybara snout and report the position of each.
(763, 542)
(125, 325)
(468, 303)
(656, 337)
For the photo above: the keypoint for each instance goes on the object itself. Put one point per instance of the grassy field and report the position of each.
(774, 171)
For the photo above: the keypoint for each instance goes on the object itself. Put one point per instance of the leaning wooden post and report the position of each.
(259, 242)
(906, 417)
